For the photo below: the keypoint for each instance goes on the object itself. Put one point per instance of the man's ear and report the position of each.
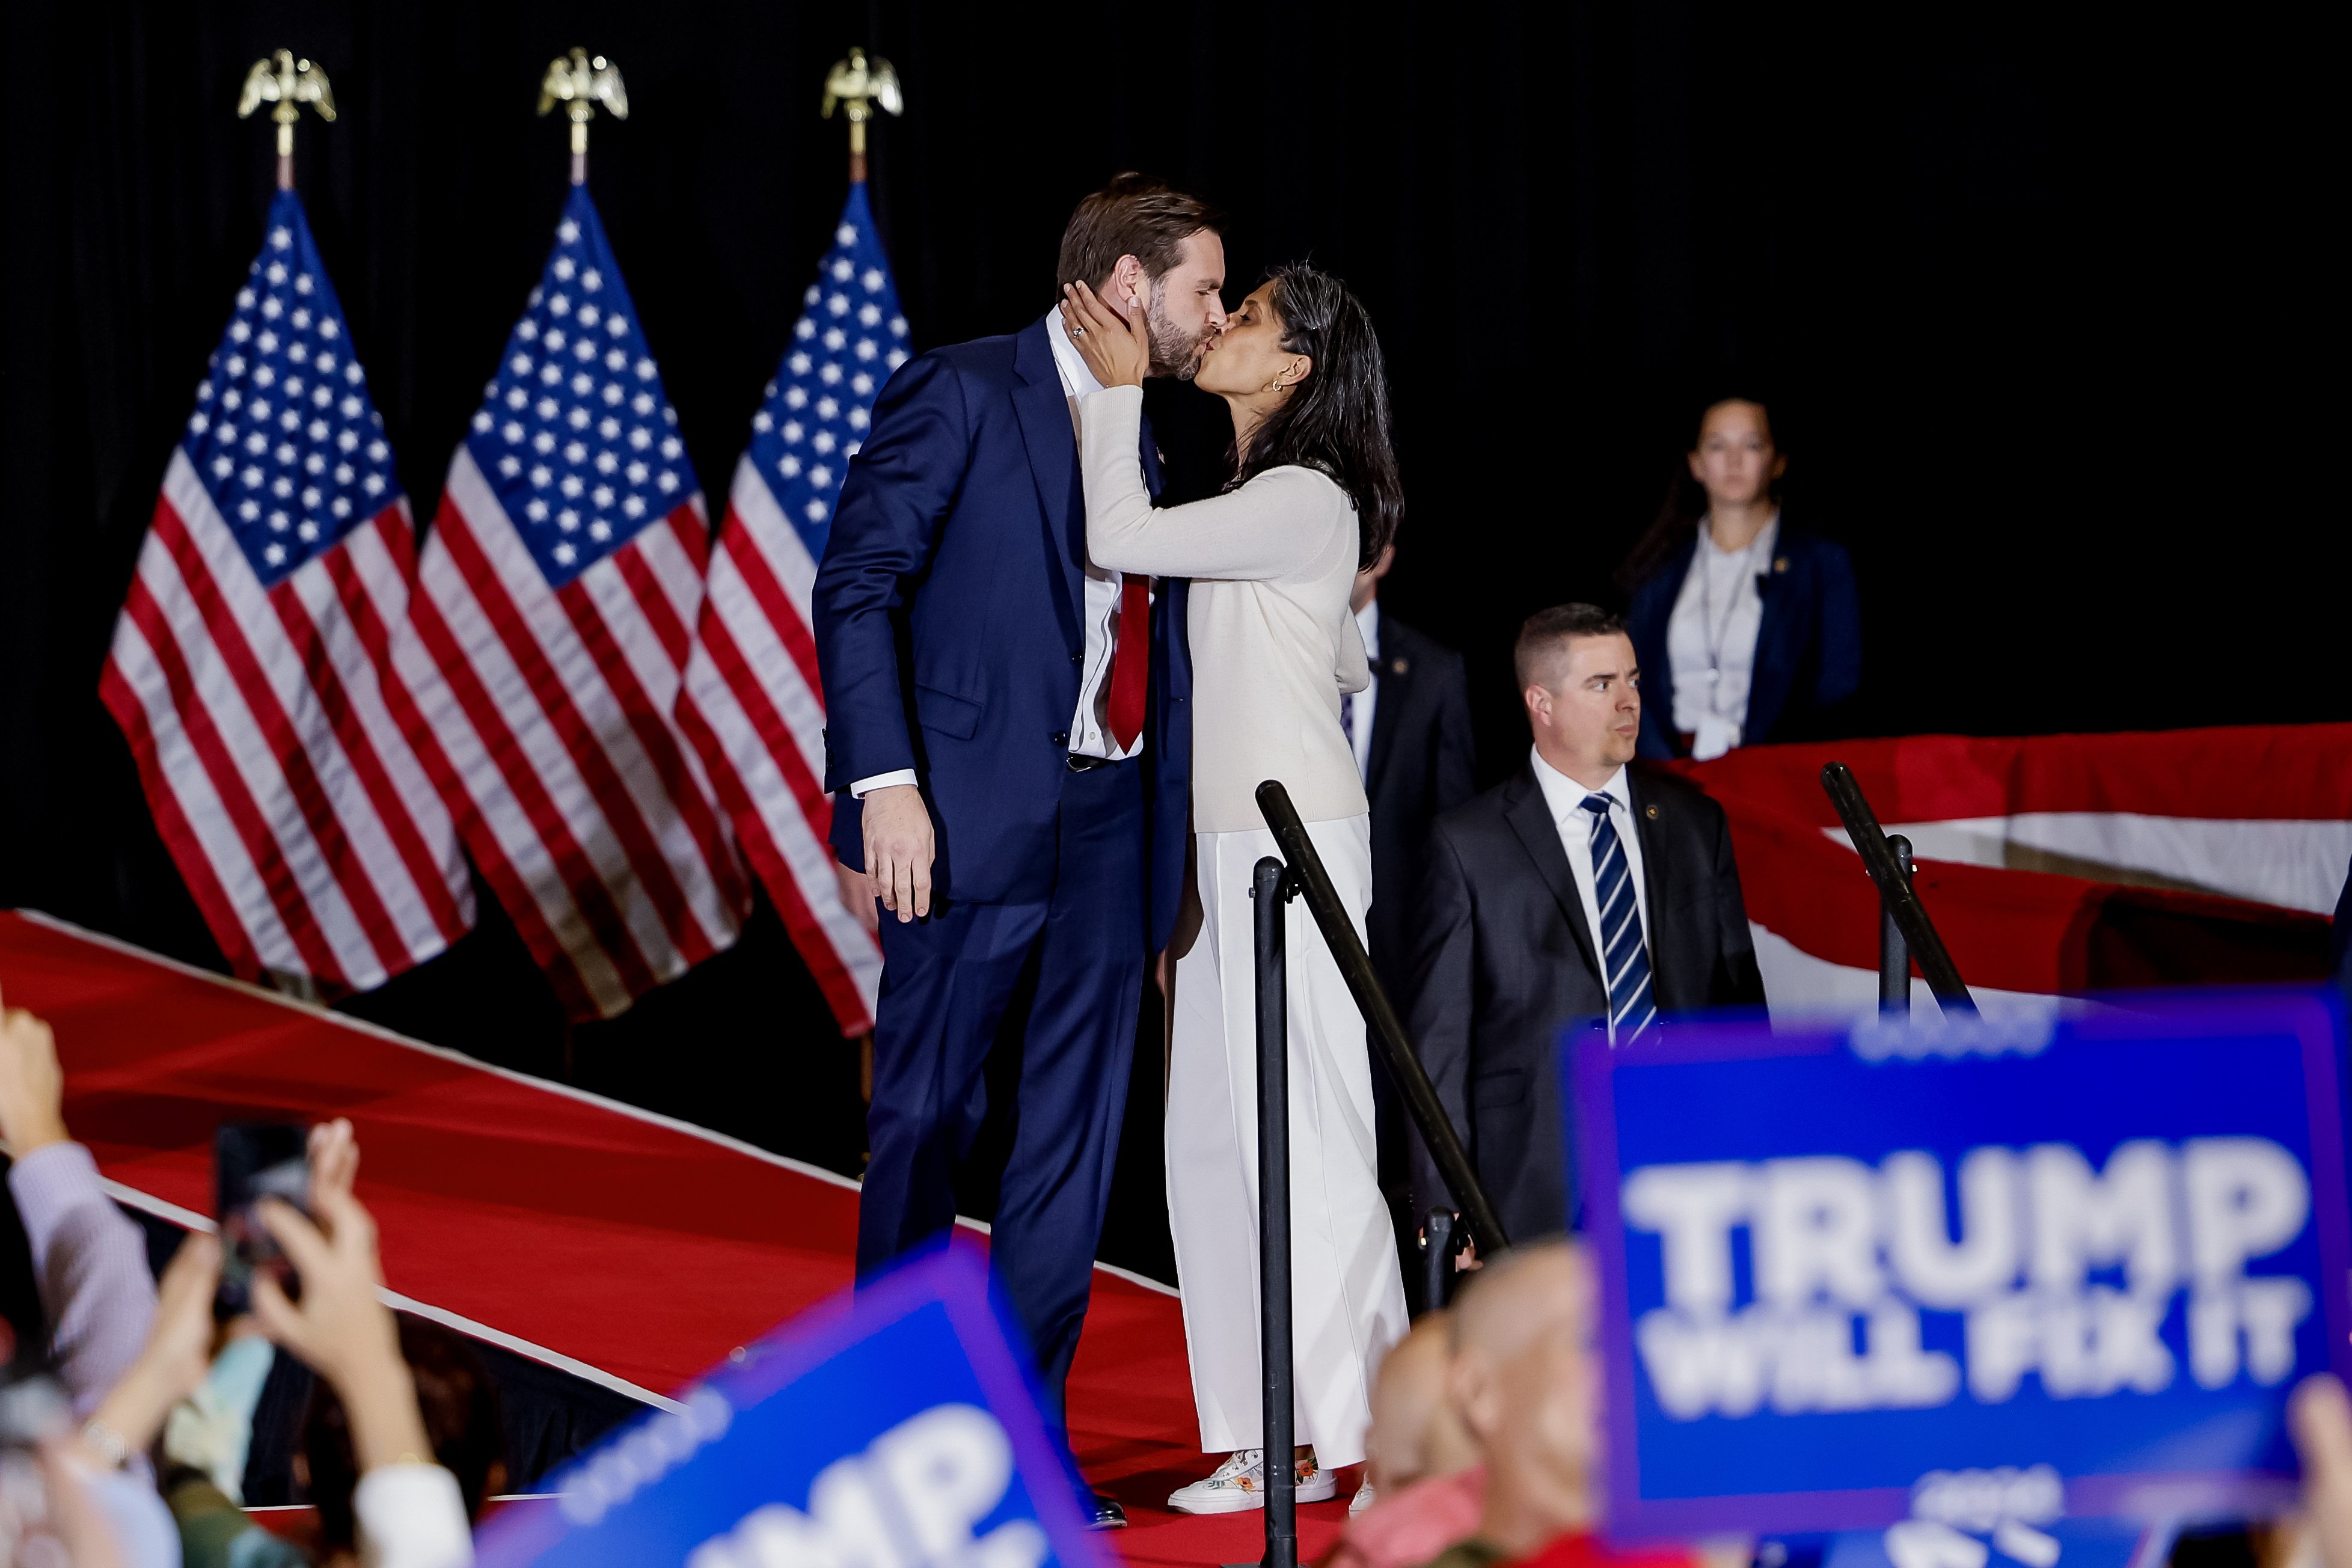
(1126, 286)
(1537, 701)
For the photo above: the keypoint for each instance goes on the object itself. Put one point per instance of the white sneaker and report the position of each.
(1239, 1484)
(1361, 1500)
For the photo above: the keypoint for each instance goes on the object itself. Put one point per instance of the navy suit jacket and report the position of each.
(1808, 650)
(948, 630)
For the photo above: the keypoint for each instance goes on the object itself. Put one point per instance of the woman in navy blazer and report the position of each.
(1764, 637)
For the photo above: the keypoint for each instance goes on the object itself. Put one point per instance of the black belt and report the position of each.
(1079, 764)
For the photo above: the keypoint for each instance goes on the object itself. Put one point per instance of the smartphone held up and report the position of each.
(253, 1160)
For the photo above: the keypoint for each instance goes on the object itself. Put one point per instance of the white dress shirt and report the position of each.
(1090, 725)
(1711, 638)
(1565, 797)
(1359, 704)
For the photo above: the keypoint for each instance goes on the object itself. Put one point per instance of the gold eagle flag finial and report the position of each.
(580, 81)
(289, 83)
(860, 86)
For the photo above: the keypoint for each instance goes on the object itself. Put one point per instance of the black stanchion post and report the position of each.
(1894, 950)
(1270, 886)
(1437, 1249)
(1895, 895)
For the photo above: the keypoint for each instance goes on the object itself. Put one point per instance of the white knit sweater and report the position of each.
(1274, 644)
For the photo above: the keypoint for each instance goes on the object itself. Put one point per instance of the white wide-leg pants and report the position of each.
(1348, 1302)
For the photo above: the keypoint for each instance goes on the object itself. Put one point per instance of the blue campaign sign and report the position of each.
(1968, 1274)
(896, 1428)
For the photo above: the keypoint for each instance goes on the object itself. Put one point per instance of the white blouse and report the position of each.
(1273, 565)
(1711, 638)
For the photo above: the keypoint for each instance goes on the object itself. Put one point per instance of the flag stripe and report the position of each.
(275, 876)
(782, 874)
(330, 855)
(189, 852)
(608, 793)
(787, 846)
(489, 755)
(323, 627)
(670, 812)
(749, 543)
(299, 870)
(374, 855)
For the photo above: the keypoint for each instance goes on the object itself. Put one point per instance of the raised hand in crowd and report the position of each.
(2320, 1417)
(32, 1085)
(409, 1510)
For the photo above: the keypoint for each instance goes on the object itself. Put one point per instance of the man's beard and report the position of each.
(1174, 351)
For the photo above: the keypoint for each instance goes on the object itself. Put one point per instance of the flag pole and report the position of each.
(580, 82)
(289, 83)
(860, 86)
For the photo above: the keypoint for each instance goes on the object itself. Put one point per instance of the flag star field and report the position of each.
(285, 437)
(575, 434)
(850, 336)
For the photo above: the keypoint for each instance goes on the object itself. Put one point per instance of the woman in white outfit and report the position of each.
(1272, 560)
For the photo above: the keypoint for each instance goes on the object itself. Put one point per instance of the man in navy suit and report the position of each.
(1010, 736)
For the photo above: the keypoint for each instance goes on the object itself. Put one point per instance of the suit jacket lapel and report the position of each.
(1529, 815)
(1046, 430)
(1666, 989)
(1388, 683)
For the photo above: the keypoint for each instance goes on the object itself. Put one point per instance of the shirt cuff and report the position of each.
(50, 1183)
(412, 1516)
(864, 787)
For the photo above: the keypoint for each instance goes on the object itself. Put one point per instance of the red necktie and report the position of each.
(1130, 663)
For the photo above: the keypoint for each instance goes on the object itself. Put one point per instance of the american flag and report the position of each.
(244, 667)
(753, 705)
(559, 593)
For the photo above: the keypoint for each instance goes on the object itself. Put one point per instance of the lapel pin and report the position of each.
(1780, 563)
(1396, 666)
(1650, 812)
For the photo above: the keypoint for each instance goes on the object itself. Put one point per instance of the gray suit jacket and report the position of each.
(1503, 959)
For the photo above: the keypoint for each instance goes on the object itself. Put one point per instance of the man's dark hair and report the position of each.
(460, 1406)
(1134, 215)
(1337, 420)
(1545, 630)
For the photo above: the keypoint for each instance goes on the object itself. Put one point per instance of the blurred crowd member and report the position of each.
(1575, 890)
(68, 1498)
(90, 1262)
(2320, 1419)
(1423, 1485)
(390, 1505)
(1410, 730)
(98, 1507)
(1527, 1382)
(1748, 629)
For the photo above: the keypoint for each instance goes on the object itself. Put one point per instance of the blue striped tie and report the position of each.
(1624, 960)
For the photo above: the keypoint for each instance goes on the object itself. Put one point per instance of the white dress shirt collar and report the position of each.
(1565, 797)
(1076, 379)
(1368, 622)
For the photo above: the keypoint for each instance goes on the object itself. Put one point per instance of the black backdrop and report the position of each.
(2032, 296)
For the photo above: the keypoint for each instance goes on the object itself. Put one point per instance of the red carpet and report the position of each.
(620, 1246)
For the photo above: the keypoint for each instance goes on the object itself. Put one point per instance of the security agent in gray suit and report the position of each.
(1576, 890)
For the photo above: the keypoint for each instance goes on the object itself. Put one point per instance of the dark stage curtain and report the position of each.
(2032, 293)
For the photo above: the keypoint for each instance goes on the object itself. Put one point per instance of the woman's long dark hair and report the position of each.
(1336, 421)
(1670, 531)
